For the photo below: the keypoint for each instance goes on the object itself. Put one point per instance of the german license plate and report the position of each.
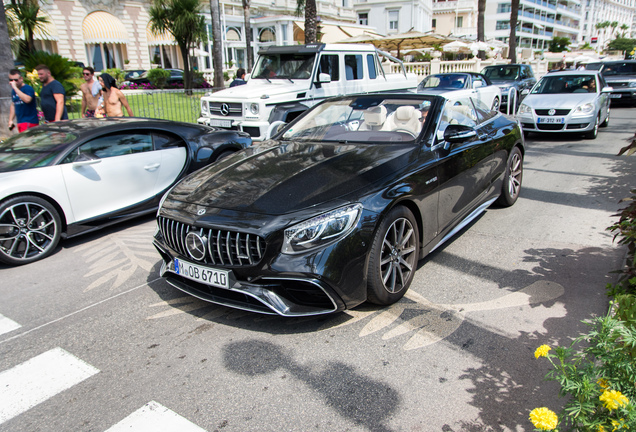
(615, 95)
(551, 120)
(220, 123)
(205, 275)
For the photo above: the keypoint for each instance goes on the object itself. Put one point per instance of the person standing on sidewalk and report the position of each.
(23, 111)
(52, 96)
(90, 93)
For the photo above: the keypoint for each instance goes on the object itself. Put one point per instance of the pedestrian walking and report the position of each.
(90, 92)
(23, 111)
(114, 99)
(52, 96)
(240, 78)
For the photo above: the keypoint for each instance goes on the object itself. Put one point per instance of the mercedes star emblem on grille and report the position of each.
(195, 244)
(552, 111)
(225, 109)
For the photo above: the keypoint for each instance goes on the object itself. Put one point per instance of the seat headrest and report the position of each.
(404, 113)
(375, 116)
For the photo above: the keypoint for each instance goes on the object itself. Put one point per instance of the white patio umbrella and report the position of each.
(480, 46)
(456, 46)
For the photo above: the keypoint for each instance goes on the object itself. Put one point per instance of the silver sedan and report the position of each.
(576, 101)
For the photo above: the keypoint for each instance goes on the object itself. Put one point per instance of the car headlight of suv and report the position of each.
(632, 83)
(254, 108)
(204, 107)
(321, 230)
(584, 109)
(524, 109)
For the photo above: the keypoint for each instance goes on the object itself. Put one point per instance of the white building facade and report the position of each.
(394, 16)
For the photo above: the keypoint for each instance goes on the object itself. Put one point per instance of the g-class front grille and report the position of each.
(226, 109)
(222, 247)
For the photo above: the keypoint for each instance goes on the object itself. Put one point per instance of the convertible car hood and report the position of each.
(282, 177)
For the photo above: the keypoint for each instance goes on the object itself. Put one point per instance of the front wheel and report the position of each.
(29, 230)
(495, 104)
(512, 182)
(606, 121)
(594, 132)
(393, 258)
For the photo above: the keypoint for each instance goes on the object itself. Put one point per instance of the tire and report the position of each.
(512, 182)
(495, 104)
(606, 121)
(29, 230)
(594, 132)
(393, 258)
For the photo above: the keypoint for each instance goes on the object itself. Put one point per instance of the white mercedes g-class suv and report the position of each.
(287, 80)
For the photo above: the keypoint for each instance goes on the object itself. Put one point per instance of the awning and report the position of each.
(155, 39)
(332, 33)
(46, 31)
(102, 27)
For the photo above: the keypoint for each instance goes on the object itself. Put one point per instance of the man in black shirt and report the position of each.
(51, 96)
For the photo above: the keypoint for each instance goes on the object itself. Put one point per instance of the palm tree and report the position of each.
(217, 45)
(182, 19)
(512, 41)
(248, 34)
(6, 64)
(311, 19)
(624, 27)
(26, 14)
(481, 33)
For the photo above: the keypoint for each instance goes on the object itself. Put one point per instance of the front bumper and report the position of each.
(628, 96)
(256, 129)
(288, 285)
(566, 123)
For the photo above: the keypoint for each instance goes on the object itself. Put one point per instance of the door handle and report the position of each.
(152, 167)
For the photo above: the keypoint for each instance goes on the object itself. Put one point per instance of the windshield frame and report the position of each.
(271, 66)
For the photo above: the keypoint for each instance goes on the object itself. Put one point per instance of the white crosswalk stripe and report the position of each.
(38, 379)
(154, 417)
(7, 325)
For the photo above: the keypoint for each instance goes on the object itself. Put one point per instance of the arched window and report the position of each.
(267, 35)
(233, 34)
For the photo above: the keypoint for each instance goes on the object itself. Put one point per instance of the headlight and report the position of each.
(525, 109)
(584, 109)
(321, 230)
(632, 84)
(254, 108)
(204, 107)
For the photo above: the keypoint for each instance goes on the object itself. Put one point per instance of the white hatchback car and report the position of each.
(573, 101)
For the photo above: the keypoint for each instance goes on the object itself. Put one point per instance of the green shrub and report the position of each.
(158, 77)
(61, 68)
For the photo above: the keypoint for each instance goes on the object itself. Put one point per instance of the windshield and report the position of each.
(32, 149)
(619, 68)
(508, 73)
(371, 119)
(443, 81)
(284, 66)
(566, 84)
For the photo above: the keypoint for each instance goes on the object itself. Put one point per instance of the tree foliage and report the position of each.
(622, 44)
(311, 19)
(182, 19)
(61, 68)
(559, 44)
(25, 14)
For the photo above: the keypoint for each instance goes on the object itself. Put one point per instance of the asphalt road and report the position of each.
(93, 340)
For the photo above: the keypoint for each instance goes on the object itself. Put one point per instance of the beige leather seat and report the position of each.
(404, 118)
(374, 118)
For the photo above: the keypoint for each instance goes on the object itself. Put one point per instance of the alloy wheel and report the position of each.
(516, 170)
(27, 230)
(398, 255)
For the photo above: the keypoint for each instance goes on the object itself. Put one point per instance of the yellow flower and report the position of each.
(543, 418)
(617, 424)
(600, 428)
(602, 382)
(542, 351)
(612, 399)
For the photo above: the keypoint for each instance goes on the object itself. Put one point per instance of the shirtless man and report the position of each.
(114, 99)
(90, 93)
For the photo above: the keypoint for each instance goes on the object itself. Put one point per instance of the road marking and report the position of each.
(154, 417)
(36, 380)
(7, 325)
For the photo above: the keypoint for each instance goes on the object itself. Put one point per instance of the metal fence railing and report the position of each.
(174, 105)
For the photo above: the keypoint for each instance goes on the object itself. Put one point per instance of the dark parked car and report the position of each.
(477, 83)
(621, 76)
(512, 76)
(133, 73)
(176, 77)
(340, 206)
(65, 178)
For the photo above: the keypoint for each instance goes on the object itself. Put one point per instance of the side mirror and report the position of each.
(607, 89)
(455, 133)
(477, 84)
(274, 128)
(86, 159)
(324, 78)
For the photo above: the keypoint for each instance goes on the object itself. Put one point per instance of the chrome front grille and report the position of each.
(224, 247)
(226, 109)
(545, 112)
